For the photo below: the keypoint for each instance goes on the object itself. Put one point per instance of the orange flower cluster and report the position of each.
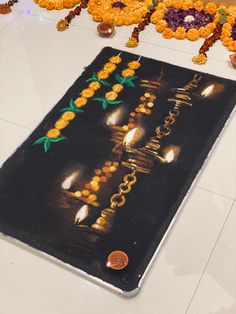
(57, 4)
(131, 13)
(180, 33)
(82, 100)
(226, 37)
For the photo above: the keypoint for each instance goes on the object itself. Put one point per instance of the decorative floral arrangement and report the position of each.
(184, 19)
(125, 12)
(57, 4)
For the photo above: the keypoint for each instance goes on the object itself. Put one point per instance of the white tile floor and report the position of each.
(195, 271)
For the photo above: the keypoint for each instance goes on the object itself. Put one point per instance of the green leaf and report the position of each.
(105, 105)
(66, 109)
(150, 7)
(154, 3)
(221, 11)
(72, 104)
(115, 102)
(58, 139)
(103, 82)
(77, 110)
(99, 99)
(222, 19)
(40, 140)
(93, 78)
(47, 145)
(120, 79)
(132, 78)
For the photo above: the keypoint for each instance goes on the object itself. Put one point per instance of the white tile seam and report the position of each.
(216, 193)
(16, 124)
(209, 258)
(11, 22)
(179, 50)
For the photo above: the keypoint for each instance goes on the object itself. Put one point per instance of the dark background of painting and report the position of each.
(31, 209)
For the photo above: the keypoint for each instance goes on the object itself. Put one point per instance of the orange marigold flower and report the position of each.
(87, 92)
(128, 72)
(68, 115)
(180, 33)
(117, 88)
(115, 59)
(94, 85)
(134, 65)
(199, 59)
(168, 33)
(161, 25)
(109, 67)
(132, 42)
(111, 95)
(61, 124)
(211, 8)
(232, 10)
(187, 4)
(103, 75)
(204, 32)
(193, 34)
(81, 101)
(199, 5)
(53, 133)
(230, 19)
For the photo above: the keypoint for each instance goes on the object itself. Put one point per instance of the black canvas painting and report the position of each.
(109, 166)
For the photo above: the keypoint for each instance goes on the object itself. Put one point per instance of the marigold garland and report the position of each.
(57, 4)
(125, 12)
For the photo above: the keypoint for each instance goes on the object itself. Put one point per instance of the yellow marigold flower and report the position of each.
(134, 65)
(111, 95)
(187, 4)
(232, 10)
(180, 33)
(68, 115)
(115, 59)
(157, 16)
(61, 124)
(50, 6)
(199, 5)
(109, 67)
(161, 6)
(128, 72)
(211, 8)
(117, 88)
(161, 25)
(81, 101)
(204, 32)
(132, 42)
(128, 20)
(94, 85)
(230, 19)
(232, 46)
(199, 59)
(53, 133)
(103, 75)
(87, 92)
(193, 34)
(118, 21)
(227, 26)
(168, 33)
(178, 4)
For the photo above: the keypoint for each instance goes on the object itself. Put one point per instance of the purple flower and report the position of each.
(118, 4)
(190, 18)
(233, 33)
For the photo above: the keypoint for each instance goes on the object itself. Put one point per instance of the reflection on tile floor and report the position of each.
(195, 270)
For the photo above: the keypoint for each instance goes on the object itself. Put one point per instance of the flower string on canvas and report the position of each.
(127, 78)
(97, 80)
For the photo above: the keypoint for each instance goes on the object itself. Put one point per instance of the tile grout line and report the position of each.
(209, 258)
(178, 50)
(5, 27)
(16, 124)
(218, 194)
